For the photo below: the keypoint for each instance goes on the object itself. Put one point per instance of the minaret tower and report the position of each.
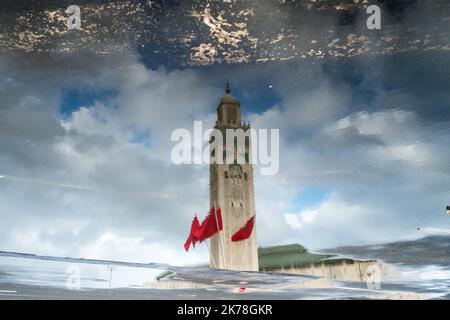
(231, 189)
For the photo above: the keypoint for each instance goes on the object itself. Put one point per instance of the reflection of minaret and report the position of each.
(231, 189)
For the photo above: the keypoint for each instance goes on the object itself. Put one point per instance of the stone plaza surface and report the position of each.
(31, 277)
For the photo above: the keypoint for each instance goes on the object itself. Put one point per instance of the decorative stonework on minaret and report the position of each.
(231, 189)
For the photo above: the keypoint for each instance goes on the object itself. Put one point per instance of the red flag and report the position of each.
(191, 239)
(244, 232)
(210, 226)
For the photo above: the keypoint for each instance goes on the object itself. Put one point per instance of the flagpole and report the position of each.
(212, 257)
(245, 253)
(219, 235)
(247, 245)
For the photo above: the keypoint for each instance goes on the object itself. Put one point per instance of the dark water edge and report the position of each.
(431, 250)
(424, 264)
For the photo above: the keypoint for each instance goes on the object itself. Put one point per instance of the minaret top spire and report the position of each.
(228, 89)
(228, 110)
